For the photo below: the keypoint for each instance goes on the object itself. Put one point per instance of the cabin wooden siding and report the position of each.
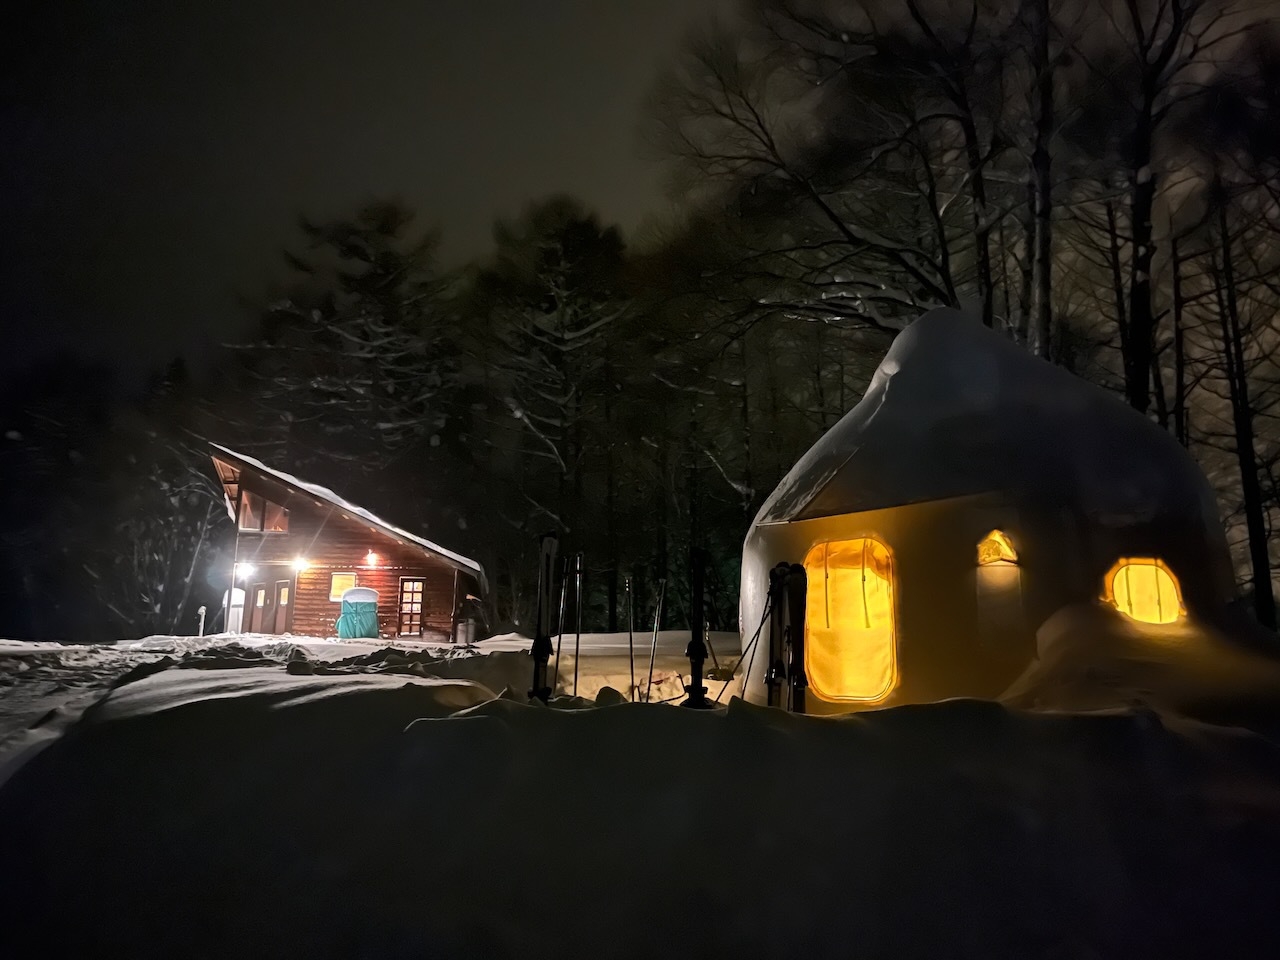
(331, 541)
(314, 614)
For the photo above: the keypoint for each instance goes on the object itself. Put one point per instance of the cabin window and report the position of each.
(849, 627)
(250, 511)
(261, 515)
(1144, 589)
(275, 518)
(339, 584)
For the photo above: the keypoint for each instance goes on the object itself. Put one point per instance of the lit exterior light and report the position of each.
(300, 564)
(245, 570)
(371, 558)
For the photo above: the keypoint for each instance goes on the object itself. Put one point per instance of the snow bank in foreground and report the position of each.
(251, 813)
(44, 687)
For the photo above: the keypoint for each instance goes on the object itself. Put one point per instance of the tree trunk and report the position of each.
(744, 397)
(1117, 283)
(775, 429)
(817, 378)
(1157, 392)
(981, 226)
(1142, 326)
(1042, 324)
(188, 579)
(1242, 414)
(691, 480)
(1026, 267)
(610, 514)
(662, 560)
(1179, 412)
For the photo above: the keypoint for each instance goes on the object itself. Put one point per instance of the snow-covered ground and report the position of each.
(46, 686)
(611, 659)
(270, 799)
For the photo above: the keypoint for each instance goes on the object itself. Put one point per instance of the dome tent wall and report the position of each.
(961, 432)
(947, 644)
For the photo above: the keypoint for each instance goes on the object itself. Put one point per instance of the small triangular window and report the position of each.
(996, 548)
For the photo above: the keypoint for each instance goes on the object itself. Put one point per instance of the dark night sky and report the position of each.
(157, 152)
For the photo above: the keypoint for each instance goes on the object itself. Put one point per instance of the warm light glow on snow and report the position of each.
(1145, 589)
(849, 645)
(301, 563)
(245, 570)
(996, 548)
(371, 558)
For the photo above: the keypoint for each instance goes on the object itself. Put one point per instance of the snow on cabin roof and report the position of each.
(328, 496)
(956, 409)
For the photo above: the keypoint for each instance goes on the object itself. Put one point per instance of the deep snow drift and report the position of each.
(246, 811)
(44, 687)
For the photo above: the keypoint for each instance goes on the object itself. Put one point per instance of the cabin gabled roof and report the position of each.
(325, 495)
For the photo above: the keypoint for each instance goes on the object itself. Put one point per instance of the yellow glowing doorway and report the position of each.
(849, 634)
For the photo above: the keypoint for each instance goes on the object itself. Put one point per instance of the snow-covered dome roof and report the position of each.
(955, 409)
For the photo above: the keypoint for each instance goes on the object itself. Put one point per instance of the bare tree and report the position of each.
(1152, 61)
(146, 568)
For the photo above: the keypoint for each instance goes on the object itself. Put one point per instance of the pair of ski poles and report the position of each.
(577, 643)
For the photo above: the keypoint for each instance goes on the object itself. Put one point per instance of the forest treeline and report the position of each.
(1097, 179)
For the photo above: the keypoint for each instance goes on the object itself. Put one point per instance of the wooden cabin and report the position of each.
(299, 546)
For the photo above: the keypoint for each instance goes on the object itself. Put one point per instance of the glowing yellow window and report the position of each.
(849, 625)
(996, 548)
(1144, 589)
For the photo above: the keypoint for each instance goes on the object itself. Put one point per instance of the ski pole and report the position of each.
(564, 589)
(541, 648)
(706, 636)
(697, 649)
(577, 641)
(653, 649)
(631, 638)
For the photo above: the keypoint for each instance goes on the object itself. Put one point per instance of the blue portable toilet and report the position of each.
(359, 619)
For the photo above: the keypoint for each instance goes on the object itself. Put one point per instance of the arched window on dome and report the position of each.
(1144, 589)
(850, 637)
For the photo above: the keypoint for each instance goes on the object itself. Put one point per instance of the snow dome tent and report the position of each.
(974, 491)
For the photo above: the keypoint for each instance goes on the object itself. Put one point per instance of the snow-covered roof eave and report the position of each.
(457, 560)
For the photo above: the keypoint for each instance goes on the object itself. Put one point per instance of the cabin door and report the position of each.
(282, 597)
(411, 607)
(260, 600)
